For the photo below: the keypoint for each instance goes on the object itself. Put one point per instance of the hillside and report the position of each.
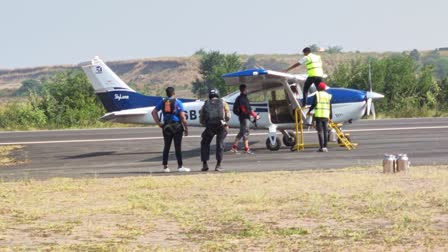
(146, 75)
(151, 76)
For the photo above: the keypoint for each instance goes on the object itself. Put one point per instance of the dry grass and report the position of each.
(5, 154)
(350, 209)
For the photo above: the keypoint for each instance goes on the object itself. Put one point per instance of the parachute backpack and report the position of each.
(169, 106)
(214, 111)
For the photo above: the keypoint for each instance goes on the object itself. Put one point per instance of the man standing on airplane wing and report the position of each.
(313, 64)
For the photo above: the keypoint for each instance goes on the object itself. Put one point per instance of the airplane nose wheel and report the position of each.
(274, 147)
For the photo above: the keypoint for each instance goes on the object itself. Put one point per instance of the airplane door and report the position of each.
(292, 97)
(279, 107)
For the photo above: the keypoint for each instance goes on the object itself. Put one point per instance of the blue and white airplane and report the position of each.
(270, 94)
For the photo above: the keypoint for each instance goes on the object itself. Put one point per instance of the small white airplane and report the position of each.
(270, 94)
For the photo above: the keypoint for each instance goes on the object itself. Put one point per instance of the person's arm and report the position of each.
(246, 108)
(300, 62)
(201, 115)
(252, 113)
(227, 113)
(292, 67)
(155, 116)
(183, 118)
(312, 106)
(331, 111)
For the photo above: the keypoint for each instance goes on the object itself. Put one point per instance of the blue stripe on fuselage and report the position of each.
(339, 95)
(342, 95)
(120, 100)
(258, 107)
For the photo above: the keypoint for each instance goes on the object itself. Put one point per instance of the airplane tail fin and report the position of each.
(113, 92)
(102, 77)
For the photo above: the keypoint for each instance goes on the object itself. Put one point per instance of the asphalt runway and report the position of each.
(137, 151)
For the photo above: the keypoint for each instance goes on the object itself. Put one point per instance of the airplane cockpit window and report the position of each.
(257, 96)
(276, 95)
(231, 97)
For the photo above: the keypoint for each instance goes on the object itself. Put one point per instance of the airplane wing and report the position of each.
(261, 79)
(123, 113)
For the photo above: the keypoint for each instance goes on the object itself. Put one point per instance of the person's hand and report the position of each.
(308, 113)
(160, 125)
(257, 117)
(186, 132)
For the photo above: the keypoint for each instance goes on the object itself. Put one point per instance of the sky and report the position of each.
(55, 32)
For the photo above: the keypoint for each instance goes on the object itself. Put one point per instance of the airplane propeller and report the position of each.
(370, 95)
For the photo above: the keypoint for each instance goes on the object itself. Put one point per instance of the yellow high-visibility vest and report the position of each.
(314, 65)
(322, 109)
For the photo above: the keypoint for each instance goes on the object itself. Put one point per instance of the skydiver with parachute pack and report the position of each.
(214, 114)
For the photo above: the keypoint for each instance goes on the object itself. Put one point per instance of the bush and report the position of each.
(22, 116)
(410, 90)
(68, 100)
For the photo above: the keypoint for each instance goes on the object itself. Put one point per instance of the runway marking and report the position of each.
(105, 140)
(197, 136)
(402, 128)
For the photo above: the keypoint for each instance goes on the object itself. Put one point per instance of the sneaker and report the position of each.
(166, 169)
(324, 150)
(204, 167)
(249, 152)
(183, 169)
(218, 168)
(320, 150)
(234, 150)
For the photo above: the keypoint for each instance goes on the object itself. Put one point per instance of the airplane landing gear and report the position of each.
(273, 145)
(273, 142)
(289, 139)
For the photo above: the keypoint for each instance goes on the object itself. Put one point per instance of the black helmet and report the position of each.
(213, 93)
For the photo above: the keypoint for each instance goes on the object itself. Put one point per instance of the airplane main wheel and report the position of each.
(289, 141)
(275, 147)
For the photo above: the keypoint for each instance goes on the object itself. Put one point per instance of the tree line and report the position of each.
(413, 85)
(66, 100)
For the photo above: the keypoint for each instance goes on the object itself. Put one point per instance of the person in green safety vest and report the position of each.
(322, 114)
(313, 65)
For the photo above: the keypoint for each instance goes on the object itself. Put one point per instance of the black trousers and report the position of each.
(173, 131)
(309, 81)
(322, 131)
(207, 137)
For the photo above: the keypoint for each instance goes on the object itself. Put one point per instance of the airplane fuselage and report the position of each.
(342, 112)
